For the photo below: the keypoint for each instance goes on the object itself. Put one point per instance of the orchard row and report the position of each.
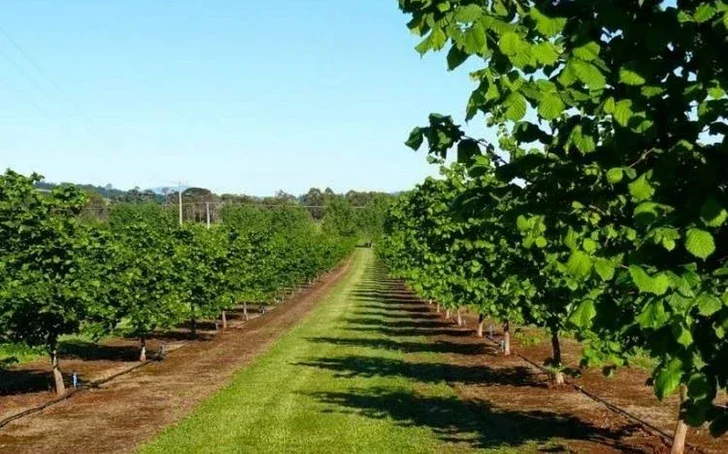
(141, 270)
(598, 202)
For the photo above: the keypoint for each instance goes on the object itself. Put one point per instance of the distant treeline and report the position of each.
(199, 203)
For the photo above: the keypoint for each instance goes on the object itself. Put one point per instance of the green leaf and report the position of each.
(604, 268)
(468, 13)
(653, 315)
(510, 43)
(583, 314)
(571, 240)
(474, 39)
(522, 223)
(630, 77)
(704, 13)
(682, 334)
(436, 40)
(699, 243)
(588, 74)
(708, 304)
(668, 379)
(712, 213)
(645, 283)
(541, 242)
(416, 138)
(590, 245)
(623, 112)
(588, 51)
(515, 105)
(641, 189)
(579, 264)
(583, 141)
(609, 105)
(545, 52)
(456, 57)
(550, 106)
(547, 25)
(615, 175)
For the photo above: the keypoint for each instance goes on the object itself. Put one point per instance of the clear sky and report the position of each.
(236, 96)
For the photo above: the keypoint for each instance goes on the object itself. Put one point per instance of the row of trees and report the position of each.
(62, 274)
(601, 206)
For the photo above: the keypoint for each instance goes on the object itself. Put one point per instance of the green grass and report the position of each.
(341, 381)
(11, 354)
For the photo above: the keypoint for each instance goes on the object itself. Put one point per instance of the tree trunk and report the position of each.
(245, 311)
(447, 314)
(143, 350)
(224, 320)
(481, 322)
(438, 308)
(57, 375)
(193, 321)
(507, 338)
(461, 322)
(558, 375)
(429, 301)
(681, 430)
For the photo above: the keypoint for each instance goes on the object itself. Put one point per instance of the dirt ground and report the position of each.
(527, 388)
(125, 412)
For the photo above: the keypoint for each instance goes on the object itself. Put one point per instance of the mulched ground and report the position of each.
(131, 409)
(524, 402)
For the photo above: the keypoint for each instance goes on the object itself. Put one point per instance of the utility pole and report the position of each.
(207, 211)
(179, 194)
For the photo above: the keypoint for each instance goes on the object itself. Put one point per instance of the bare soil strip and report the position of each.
(122, 413)
(627, 389)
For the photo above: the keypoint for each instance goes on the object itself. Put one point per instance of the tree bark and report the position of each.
(681, 430)
(461, 322)
(245, 311)
(193, 321)
(481, 322)
(143, 349)
(57, 375)
(556, 345)
(438, 308)
(507, 338)
(224, 320)
(447, 314)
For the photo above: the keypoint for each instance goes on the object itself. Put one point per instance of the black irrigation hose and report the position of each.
(666, 436)
(90, 385)
(70, 393)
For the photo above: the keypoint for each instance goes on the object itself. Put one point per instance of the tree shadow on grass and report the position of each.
(410, 332)
(408, 347)
(404, 324)
(413, 315)
(478, 424)
(366, 366)
(386, 297)
(415, 308)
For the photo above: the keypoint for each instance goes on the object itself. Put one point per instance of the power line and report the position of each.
(22, 96)
(45, 74)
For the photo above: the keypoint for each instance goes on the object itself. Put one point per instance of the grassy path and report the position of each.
(320, 388)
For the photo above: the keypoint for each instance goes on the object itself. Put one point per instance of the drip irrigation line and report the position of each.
(665, 435)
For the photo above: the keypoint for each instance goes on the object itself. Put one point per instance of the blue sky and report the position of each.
(235, 96)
